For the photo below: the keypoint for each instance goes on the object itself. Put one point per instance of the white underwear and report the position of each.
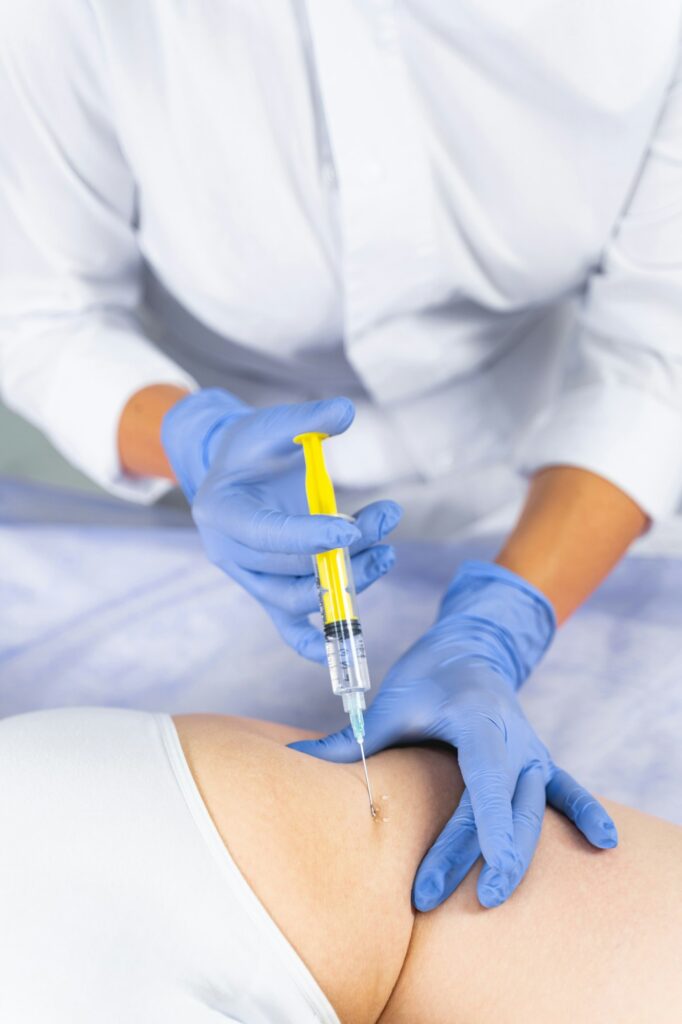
(118, 899)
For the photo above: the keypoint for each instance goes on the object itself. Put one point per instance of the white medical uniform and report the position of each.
(120, 903)
(378, 197)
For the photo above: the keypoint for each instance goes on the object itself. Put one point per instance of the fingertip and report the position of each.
(369, 566)
(603, 834)
(313, 748)
(377, 519)
(320, 533)
(328, 416)
(504, 862)
(490, 897)
(427, 892)
(385, 558)
(302, 746)
(580, 807)
(343, 410)
(604, 842)
(382, 560)
(349, 533)
(494, 887)
(596, 825)
(435, 884)
(391, 516)
(303, 638)
(496, 884)
(311, 647)
(339, 747)
(341, 534)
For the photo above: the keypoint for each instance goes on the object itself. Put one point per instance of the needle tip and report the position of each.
(372, 808)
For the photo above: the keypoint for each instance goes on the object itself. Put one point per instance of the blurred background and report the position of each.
(38, 485)
(26, 455)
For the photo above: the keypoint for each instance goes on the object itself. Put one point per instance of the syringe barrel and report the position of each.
(344, 642)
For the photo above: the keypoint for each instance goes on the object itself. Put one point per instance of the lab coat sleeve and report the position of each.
(72, 351)
(619, 410)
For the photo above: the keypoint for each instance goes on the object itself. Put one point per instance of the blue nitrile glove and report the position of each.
(457, 684)
(245, 480)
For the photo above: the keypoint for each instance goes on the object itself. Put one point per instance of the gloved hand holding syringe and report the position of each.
(456, 685)
(344, 642)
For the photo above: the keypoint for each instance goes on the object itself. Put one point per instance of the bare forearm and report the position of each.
(574, 528)
(139, 432)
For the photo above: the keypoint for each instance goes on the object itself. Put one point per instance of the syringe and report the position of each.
(344, 642)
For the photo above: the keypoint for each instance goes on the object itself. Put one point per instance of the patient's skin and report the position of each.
(336, 881)
(589, 936)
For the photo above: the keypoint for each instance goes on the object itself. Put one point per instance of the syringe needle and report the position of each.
(372, 808)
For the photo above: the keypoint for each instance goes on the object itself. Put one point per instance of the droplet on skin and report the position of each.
(382, 808)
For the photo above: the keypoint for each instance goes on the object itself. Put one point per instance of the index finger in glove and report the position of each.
(299, 594)
(483, 760)
(373, 523)
(528, 808)
(241, 517)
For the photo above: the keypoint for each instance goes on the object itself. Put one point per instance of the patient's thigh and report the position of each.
(336, 882)
(590, 936)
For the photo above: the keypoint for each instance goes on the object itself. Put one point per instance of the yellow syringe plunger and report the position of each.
(337, 598)
(319, 488)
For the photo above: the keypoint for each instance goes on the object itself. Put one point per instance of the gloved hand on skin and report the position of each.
(245, 480)
(458, 685)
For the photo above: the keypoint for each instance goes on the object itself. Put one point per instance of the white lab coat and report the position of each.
(378, 197)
